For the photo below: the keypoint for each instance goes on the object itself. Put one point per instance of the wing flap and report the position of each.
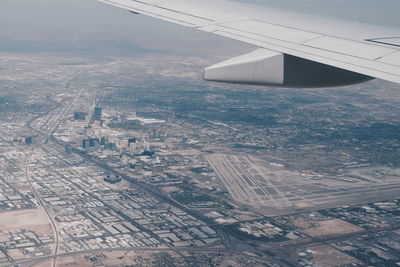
(269, 30)
(371, 68)
(393, 59)
(351, 48)
(394, 41)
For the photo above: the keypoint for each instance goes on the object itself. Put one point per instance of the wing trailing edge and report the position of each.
(266, 67)
(339, 52)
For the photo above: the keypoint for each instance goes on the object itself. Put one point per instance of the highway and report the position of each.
(40, 199)
(268, 253)
(50, 122)
(232, 240)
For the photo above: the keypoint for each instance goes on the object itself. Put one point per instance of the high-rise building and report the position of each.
(111, 146)
(103, 141)
(93, 141)
(80, 116)
(28, 140)
(98, 112)
(86, 143)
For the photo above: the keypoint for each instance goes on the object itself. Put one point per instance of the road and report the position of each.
(41, 201)
(47, 127)
(32, 262)
(52, 120)
(233, 242)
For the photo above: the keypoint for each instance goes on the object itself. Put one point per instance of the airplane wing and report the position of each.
(295, 50)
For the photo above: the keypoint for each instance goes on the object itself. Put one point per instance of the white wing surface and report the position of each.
(311, 46)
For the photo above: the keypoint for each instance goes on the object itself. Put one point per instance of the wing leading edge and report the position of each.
(337, 49)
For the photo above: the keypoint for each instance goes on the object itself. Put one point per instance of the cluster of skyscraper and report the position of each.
(92, 142)
(81, 116)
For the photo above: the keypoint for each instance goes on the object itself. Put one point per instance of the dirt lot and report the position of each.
(130, 258)
(327, 256)
(109, 258)
(332, 227)
(34, 219)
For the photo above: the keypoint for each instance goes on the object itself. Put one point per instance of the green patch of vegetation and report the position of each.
(126, 125)
(200, 200)
(236, 228)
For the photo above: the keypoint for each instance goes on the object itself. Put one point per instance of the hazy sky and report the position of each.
(87, 25)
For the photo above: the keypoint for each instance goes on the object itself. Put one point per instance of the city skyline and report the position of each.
(115, 152)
